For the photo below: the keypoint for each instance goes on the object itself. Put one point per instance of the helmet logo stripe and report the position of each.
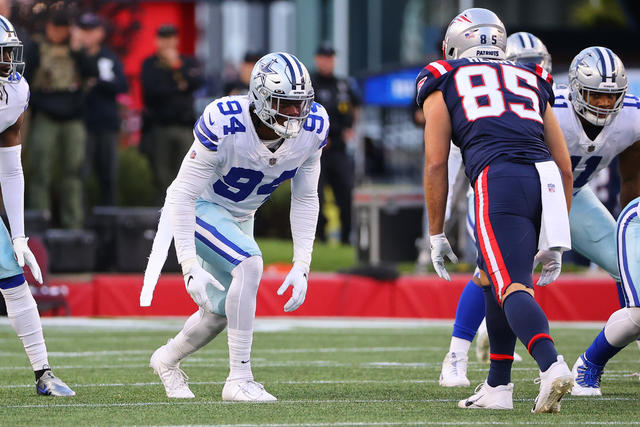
(613, 65)
(605, 71)
(531, 40)
(290, 67)
(4, 24)
(524, 45)
(299, 67)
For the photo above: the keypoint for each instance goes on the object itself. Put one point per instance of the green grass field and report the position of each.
(329, 372)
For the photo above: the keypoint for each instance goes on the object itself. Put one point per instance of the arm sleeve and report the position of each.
(12, 182)
(193, 177)
(305, 207)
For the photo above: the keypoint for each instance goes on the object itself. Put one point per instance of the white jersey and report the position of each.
(246, 172)
(14, 99)
(230, 166)
(589, 157)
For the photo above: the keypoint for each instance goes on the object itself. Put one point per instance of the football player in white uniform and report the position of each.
(14, 251)
(606, 124)
(244, 148)
(524, 48)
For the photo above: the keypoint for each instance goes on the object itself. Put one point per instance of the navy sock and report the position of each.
(502, 341)
(469, 313)
(530, 324)
(621, 299)
(600, 351)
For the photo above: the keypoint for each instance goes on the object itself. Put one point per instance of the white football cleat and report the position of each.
(454, 370)
(246, 391)
(586, 377)
(173, 378)
(483, 351)
(555, 382)
(487, 397)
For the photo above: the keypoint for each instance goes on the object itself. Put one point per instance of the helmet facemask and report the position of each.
(599, 116)
(11, 63)
(285, 125)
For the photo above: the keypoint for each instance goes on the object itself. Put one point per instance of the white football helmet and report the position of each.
(11, 48)
(526, 48)
(279, 79)
(597, 70)
(477, 33)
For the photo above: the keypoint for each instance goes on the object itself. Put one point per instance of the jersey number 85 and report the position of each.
(481, 91)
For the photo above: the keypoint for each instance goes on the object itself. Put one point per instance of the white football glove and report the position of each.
(196, 280)
(440, 248)
(551, 261)
(24, 256)
(297, 278)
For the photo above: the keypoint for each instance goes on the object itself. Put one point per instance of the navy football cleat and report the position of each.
(50, 385)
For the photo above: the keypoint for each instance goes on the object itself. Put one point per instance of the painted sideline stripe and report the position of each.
(264, 324)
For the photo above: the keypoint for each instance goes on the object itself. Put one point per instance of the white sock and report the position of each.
(459, 345)
(239, 354)
(22, 311)
(240, 307)
(199, 329)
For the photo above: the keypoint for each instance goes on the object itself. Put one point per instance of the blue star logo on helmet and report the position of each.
(266, 67)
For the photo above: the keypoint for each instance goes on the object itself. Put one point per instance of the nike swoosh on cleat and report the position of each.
(41, 390)
(244, 361)
(469, 403)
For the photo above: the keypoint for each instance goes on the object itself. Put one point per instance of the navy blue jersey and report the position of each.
(496, 108)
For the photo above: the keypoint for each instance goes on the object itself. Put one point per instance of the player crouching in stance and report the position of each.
(15, 253)
(498, 112)
(244, 148)
(623, 326)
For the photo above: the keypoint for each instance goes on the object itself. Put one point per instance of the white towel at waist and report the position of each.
(554, 224)
(159, 251)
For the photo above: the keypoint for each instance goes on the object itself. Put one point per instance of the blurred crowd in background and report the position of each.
(116, 88)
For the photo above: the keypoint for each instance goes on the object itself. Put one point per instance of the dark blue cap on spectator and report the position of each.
(167, 30)
(325, 49)
(89, 20)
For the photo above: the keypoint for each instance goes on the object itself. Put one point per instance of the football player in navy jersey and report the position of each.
(498, 113)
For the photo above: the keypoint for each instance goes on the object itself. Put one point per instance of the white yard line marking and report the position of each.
(296, 402)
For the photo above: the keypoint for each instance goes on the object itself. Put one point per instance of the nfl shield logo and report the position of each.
(551, 188)
(272, 161)
(193, 154)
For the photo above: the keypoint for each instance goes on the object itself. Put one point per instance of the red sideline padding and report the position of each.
(571, 298)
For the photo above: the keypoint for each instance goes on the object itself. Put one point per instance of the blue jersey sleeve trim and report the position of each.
(205, 136)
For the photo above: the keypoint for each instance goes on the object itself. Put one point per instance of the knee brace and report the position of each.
(240, 305)
(623, 326)
(18, 300)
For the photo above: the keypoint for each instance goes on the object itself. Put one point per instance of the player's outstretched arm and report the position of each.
(437, 135)
(554, 138)
(194, 174)
(304, 218)
(629, 174)
(12, 183)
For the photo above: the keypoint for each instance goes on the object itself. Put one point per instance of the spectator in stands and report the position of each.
(168, 82)
(240, 85)
(340, 98)
(101, 112)
(58, 76)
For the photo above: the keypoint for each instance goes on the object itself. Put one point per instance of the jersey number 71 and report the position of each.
(476, 82)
